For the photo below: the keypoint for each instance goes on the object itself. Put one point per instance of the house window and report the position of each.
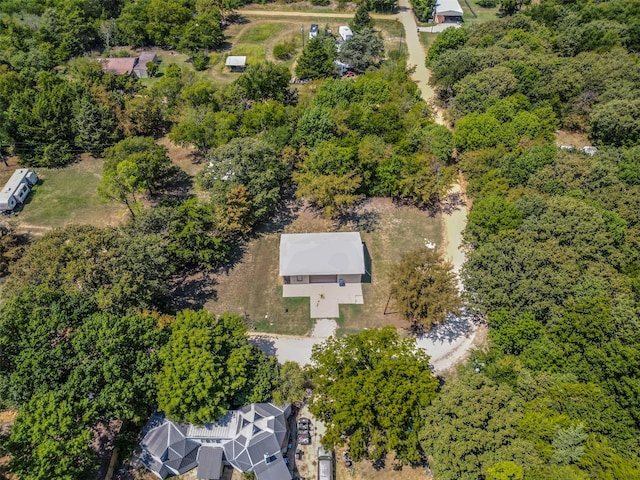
(299, 278)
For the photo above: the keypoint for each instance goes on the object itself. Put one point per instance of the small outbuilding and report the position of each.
(345, 32)
(448, 11)
(17, 189)
(236, 63)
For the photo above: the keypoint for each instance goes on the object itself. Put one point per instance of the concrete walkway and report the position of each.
(325, 298)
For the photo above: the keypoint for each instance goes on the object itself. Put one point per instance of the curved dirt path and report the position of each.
(449, 343)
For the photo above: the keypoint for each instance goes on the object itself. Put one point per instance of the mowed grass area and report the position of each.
(254, 289)
(68, 195)
(483, 14)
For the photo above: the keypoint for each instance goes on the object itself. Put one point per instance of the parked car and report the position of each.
(304, 423)
(304, 439)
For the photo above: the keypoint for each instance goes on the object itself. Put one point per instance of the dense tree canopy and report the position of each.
(208, 366)
(369, 390)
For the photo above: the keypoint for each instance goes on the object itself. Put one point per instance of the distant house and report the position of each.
(140, 69)
(336, 257)
(17, 189)
(119, 66)
(345, 32)
(313, 32)
(447, 11)
(136, 66)
(251, 439)
(236, 63)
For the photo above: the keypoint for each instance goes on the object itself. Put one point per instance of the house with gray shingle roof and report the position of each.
(251, 439)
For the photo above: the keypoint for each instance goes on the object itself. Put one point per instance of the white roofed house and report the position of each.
(447, 11)
(327, 267)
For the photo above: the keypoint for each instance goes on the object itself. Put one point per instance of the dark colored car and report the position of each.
(304, 423)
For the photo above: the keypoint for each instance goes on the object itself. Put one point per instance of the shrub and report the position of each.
(284, 51)
(487, 3)
(200, 61)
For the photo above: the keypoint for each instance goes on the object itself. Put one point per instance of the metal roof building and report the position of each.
(252, 438)
(338, 253)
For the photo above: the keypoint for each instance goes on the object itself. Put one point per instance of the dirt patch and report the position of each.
(364, 470)
(186, 158)
(577, 139)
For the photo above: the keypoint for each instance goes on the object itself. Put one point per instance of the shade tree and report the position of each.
(369, 389)
(209, 366)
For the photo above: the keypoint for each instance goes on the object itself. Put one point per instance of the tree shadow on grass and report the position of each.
(453, 328)
(193, 291)
(284, 215)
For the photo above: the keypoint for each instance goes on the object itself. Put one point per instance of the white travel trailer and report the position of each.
(345, 32)
(17, 189)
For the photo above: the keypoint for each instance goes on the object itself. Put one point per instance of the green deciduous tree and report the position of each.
(117, 270)
(208, 366)
(472, 426)
(252, 163)
(50, 439)
(370, 390)
(334, 194)
(424, 287)
(265, 81)
(201, 33)
(134, 165)
(291, 385)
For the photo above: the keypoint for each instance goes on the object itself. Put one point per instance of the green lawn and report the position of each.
(68, 195)
(262, 32)
(253, 287)
(483, 14)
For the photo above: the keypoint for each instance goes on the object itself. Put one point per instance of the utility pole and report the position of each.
(302, 33)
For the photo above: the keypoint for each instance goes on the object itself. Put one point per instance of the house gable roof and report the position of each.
(448, 7)
(119, 66)
(337, 253)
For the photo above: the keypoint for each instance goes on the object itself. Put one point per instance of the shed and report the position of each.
(336, 257)
(17, 189)
(236, 63)
(345, 32)
(140, 69)
(448, 11)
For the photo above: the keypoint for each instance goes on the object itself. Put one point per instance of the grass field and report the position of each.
(254, 289)
(483, 14)
(67, 195)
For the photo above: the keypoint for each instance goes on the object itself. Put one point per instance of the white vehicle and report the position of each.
(325, 464)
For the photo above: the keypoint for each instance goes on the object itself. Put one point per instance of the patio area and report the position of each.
(325, 298)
